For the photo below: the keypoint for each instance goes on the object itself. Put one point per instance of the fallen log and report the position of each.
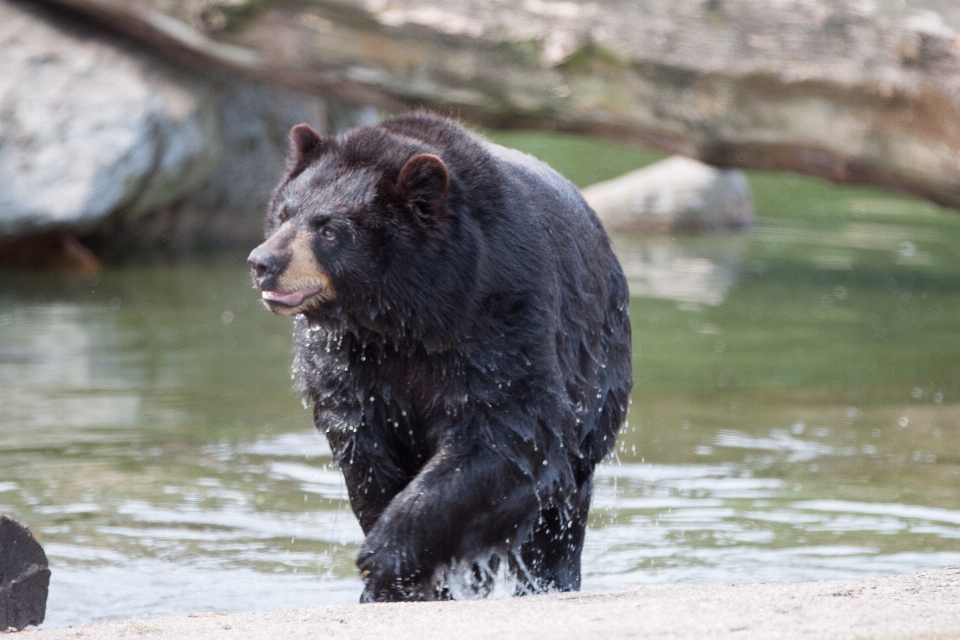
(849, 90)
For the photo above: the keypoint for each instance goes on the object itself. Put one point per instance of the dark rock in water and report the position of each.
(24, 576)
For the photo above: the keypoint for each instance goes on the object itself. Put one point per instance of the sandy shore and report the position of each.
(916, 606)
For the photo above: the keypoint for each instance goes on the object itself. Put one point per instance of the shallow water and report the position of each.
(796, 416)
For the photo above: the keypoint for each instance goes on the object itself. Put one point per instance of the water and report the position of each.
(796, 416)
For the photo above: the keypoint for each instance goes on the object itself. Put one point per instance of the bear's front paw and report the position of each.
(388, 576)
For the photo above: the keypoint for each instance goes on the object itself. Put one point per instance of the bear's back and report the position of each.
(539, 225)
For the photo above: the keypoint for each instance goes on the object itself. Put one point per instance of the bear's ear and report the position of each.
(304, 142)
(425, 181)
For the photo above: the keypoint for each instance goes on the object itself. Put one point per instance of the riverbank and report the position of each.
(913, 606)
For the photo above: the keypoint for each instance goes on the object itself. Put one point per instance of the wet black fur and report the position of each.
(474, 366)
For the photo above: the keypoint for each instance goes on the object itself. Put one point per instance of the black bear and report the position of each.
(462, 331)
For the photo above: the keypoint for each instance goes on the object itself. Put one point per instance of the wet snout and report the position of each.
(286, 271)
(267, 262)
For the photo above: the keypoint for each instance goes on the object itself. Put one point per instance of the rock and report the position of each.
(849, 90)
(227, 207)
(106, 145)
(92, 127)
(24, 576)
(676, 194)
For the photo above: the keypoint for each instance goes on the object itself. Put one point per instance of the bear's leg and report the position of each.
(468, 502)
(371, 477)
(552, 555)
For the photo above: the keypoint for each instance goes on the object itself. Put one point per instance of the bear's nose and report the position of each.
(263, 264)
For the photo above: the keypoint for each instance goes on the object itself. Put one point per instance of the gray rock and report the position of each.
(104, 140)
(227, 207)
(92, 127)
(676, 194)
(24, 576)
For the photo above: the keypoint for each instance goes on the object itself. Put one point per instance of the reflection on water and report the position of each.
(48, 353)
(796, 416)
(671, 524)
(697, 271)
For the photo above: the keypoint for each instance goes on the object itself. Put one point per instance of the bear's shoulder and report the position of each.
(525, 163)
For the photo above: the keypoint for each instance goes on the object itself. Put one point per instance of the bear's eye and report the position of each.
(284, 213)
(321, 226)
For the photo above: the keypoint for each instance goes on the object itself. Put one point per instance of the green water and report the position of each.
(796, 415)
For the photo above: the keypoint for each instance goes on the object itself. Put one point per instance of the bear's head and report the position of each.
(349, 213)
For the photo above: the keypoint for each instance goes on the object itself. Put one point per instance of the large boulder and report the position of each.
(24, 576)
(226, 207)
(104, 140)
(92, 127)
(676, 194)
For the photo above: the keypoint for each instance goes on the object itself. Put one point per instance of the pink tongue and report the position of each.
(292, 298)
